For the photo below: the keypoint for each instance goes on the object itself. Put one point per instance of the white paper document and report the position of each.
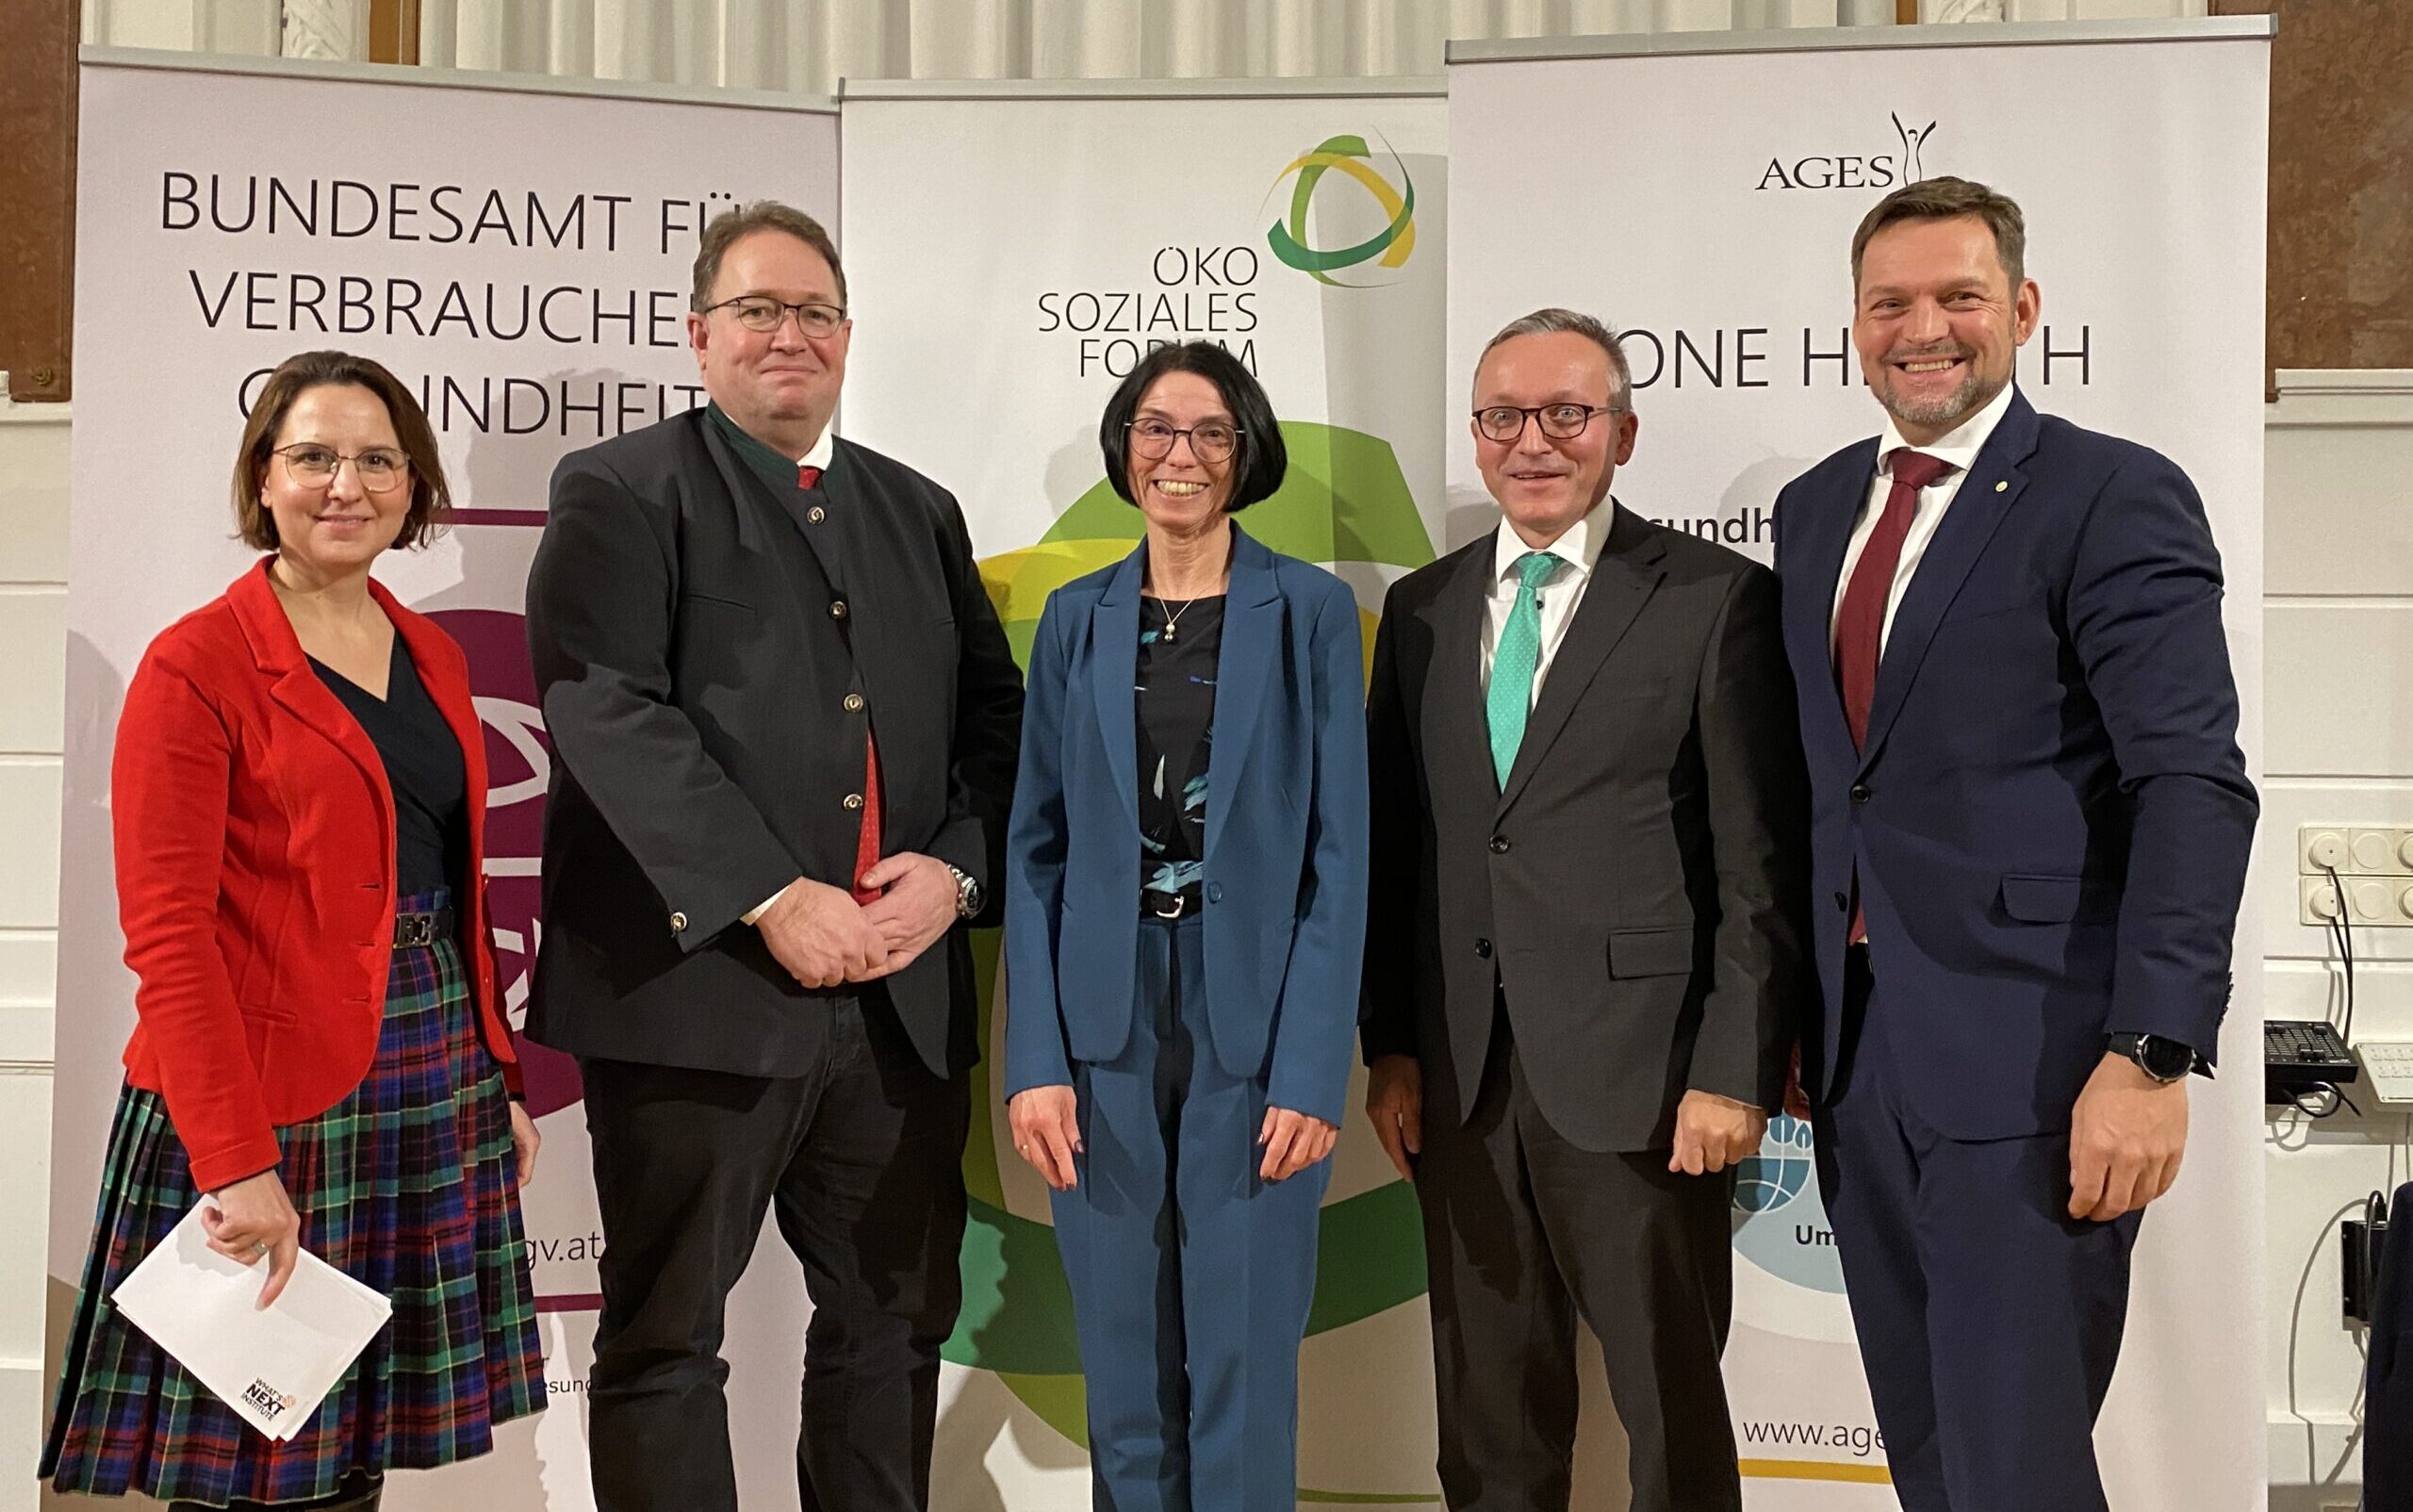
(272, 1365)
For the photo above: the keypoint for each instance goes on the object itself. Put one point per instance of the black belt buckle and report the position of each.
(420, 930)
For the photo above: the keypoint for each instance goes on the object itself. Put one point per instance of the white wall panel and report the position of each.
(29, 841)
(33, 493)
(33, 629)
(2339, 641)
(28, 976)
(2339, 524)
(2335, 702)
(248, 28)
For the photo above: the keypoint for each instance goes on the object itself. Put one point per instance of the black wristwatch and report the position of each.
(967, 893)
(2164, 1060)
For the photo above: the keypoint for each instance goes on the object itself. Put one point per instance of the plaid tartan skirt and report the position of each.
(409, 1185)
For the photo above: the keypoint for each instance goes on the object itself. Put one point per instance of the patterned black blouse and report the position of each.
(1175, 688)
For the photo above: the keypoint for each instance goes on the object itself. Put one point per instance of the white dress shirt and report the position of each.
(1959, 447)
(1578, 551)
(822, 450)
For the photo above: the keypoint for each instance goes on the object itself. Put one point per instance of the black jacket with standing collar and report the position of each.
(708, 651)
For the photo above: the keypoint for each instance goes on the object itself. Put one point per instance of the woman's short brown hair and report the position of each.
(431, 498)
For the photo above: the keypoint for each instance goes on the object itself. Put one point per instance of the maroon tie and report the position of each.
(1860, 624)
(867, 838)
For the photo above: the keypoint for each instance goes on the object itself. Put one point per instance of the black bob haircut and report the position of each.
(1258, 460)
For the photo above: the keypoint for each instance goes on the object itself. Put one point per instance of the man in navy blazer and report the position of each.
(2030, 822)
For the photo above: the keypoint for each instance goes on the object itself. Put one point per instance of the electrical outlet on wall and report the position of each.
(2319, 846)
(2375, 869)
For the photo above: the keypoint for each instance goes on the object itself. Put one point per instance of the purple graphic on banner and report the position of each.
(518, 764)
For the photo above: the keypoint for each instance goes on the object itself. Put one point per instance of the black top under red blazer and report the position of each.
(255, 830)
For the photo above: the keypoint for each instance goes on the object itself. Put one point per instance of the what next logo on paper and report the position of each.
(267, 1400)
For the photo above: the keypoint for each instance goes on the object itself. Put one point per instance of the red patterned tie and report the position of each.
(867, 838)
(1860, 623)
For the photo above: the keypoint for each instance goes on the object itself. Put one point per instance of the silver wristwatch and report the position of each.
(967, 893)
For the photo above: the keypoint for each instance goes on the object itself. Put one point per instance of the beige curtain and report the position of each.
(807, 45)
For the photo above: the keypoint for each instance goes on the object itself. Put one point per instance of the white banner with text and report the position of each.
(1703, 204)
(522, 261)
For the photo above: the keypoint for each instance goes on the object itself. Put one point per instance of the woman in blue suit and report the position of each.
(1185, 908)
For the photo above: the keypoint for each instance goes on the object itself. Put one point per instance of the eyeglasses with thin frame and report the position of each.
(1560, 422)
(379, 469)
(763, 314)
(1210, 441)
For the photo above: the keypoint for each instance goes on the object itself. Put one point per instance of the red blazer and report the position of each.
(255, 874)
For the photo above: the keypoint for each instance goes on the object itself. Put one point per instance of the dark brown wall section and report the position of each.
(37, 195)
(2341, 182)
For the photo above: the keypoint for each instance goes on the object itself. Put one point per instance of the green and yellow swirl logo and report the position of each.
(1388, 248)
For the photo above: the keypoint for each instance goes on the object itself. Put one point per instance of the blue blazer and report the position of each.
(2051, 818)
(1285, 882)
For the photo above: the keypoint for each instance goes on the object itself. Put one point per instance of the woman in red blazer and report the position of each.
(298, 797)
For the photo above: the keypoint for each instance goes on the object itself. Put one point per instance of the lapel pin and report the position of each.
(2002, 487)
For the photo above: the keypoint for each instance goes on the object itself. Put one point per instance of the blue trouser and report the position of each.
(1989, 1319)
(1190, 1276)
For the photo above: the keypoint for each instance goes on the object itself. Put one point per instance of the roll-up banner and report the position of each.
(518, 253)
(1700, 192)
(1013, 251)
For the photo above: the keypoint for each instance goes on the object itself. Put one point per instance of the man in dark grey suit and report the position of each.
(1586, 939)
(785, 724)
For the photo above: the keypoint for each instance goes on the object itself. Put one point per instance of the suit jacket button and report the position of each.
(1499, 845)
(678, 923)
(837, 608)
(1859, 791)
(852, 800)
(1842, 903)
(1214, 892)
(1483, 949)
(854, 703)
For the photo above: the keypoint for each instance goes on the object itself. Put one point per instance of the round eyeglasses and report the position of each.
(379, 468)
(1213, 441)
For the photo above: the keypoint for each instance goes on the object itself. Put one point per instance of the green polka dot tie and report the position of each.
(1511, 698)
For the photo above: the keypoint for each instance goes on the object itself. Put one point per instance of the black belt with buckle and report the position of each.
(1175, 905)
(423, 929)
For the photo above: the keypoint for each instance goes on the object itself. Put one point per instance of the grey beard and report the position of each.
(1971, 397)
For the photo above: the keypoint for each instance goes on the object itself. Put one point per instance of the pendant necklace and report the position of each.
(1173, 617)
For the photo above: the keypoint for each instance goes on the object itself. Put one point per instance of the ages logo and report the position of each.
(1905, 163)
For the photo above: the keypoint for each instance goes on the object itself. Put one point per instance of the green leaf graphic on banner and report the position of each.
(1343, 500)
